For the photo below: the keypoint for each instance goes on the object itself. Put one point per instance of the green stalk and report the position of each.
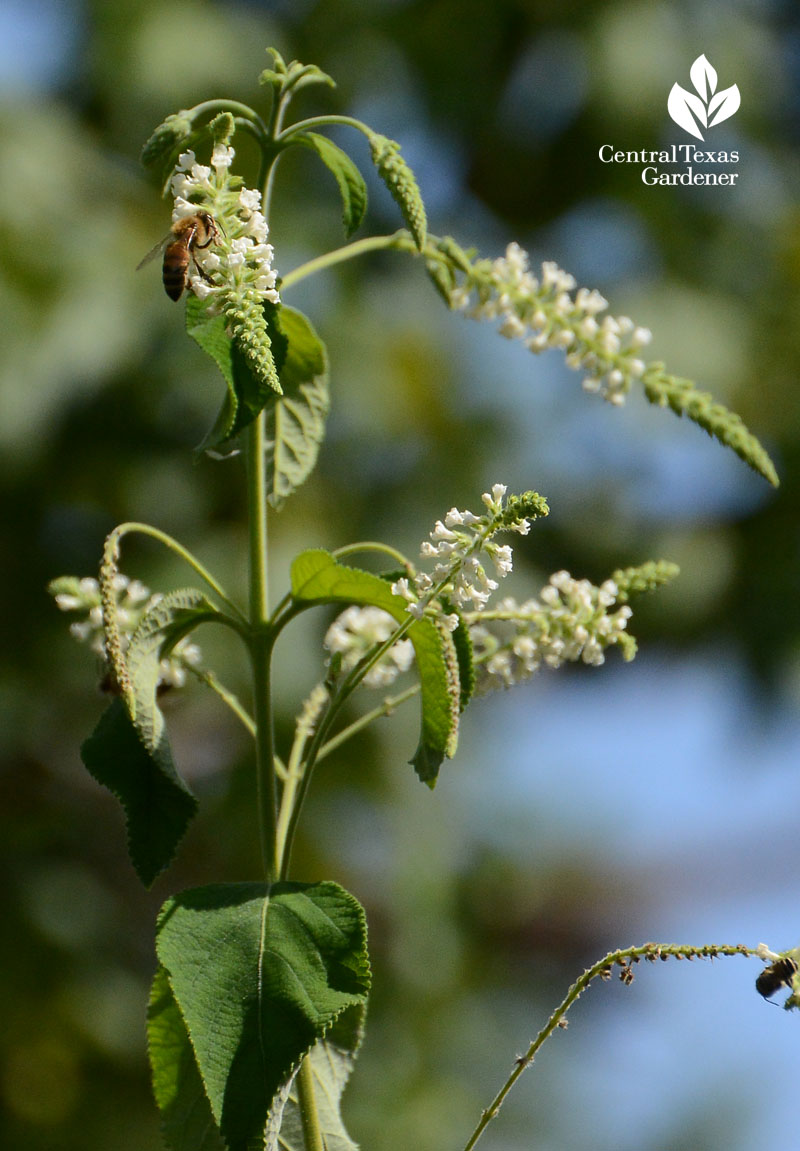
(387, 707)
(623, 959)
(261, 641)
(227, 697)
(400, 241)
(312, 1135)
(371, 546)
(295, 770)
(310, 759)
(184, 554)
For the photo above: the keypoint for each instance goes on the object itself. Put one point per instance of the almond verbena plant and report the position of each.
(257, 1007)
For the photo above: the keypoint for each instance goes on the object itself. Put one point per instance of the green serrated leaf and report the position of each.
(352, 188)
(167, 621)
(158, 804)
(317, 578)
(186, 1120)
(296, 420)
(129, 751)
(260, 974)
(210, 334)
(167, 139)
(331, 1060)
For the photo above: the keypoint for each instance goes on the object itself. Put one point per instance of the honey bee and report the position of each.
(187, 236)
(778, 974)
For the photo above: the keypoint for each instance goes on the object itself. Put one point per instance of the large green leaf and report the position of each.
(317, 578)
(331, 1061)
(158, 804)
(260, 974)
(296, 420)
(186, 1120)
(352, 188)
(129, 752)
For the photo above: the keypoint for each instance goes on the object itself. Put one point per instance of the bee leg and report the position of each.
(213, 234)
(201, 271)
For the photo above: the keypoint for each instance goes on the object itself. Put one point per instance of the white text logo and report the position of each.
(707, 108)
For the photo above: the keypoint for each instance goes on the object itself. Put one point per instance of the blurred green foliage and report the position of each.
(501, 109)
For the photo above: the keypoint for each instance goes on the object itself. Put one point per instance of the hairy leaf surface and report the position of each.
(332, 1060)
(187, 1123)
(260, 974)
(129, 752)
(158, 804)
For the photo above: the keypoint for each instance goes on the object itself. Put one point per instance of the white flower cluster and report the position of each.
(571, 620)
(462, 545)
(240, 259)
(356, 631)
(543, 314)
(133, 601)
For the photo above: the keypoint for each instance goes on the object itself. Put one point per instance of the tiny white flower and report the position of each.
(222, 157)
(68, 602)
(250, 199)
(401, 587)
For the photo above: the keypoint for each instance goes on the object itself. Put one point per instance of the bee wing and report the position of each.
(155, 251)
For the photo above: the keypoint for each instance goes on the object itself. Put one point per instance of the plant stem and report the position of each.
(227, 697)
(179, 550)
(233, 106)
(261, 641)
(623, 959)
(295, 769)
(312, 1135)
(370, 546)
(400, 241)
(383, 709)
(325, 122)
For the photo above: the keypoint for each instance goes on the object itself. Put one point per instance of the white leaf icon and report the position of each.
(681, 104)
(723, 105)
(704, 77)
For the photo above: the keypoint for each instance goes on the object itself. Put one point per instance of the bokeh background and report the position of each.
(587, 810)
